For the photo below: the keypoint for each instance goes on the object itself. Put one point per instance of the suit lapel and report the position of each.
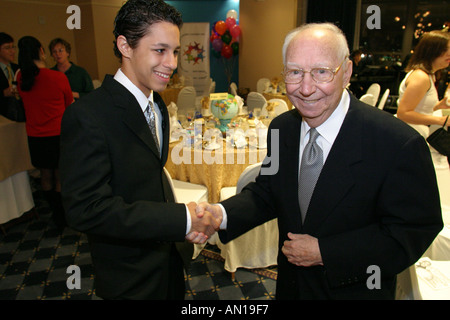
(165, 126)
(133, 117)
(336, 178)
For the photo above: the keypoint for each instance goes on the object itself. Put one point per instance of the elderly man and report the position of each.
(355, 190)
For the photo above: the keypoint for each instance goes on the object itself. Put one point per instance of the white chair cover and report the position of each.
(258, 248)
(374, 90)
(255, 100)
(278, 109)
(383, 99)
(368, 98)
(233, 89)
(261, 84)
(185, 192)
(186, 99)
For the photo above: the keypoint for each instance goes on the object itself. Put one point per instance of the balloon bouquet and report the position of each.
(225, 41)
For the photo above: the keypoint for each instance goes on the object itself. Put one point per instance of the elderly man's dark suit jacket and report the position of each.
(376, 203)
(114, 189)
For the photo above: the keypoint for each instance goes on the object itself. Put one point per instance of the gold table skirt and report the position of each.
(14, 153)
(214, 169)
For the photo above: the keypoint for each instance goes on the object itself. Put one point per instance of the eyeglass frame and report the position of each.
(304, 72)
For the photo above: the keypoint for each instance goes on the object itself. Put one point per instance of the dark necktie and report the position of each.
(312, 162)
(151, 120)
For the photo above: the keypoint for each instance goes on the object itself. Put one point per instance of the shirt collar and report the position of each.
(330, 128)
(137, 93)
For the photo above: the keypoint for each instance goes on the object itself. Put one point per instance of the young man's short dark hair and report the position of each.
(136, 16)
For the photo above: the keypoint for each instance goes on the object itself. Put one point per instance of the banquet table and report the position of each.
(15, 191)
(170, 94)
(284, 97)
(214, 169)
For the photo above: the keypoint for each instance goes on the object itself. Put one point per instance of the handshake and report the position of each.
(205, 221)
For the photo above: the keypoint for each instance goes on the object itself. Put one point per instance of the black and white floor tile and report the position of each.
(34, 257)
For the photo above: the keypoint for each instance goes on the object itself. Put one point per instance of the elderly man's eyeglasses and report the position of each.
(319, 75)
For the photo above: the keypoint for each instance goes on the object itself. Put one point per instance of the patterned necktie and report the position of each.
(312, 162)
(151, 120)
(10, 74)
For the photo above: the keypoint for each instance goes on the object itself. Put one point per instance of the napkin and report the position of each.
(237, 138)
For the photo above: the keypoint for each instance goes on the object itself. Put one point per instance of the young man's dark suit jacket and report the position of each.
(376, 203)
(3, 85)
(114, 190)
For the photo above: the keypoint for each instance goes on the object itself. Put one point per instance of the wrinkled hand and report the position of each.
(203, 225)
(302, 250)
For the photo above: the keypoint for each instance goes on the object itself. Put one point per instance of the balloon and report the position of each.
(232, 14)
(235, 31)
(220, 27)
(230, 22)
(217, 44)
(227, 52)
(226, 37)
(235, 47)
(214, 36)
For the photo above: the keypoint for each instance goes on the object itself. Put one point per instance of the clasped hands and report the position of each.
(205, 221)
(300, 249)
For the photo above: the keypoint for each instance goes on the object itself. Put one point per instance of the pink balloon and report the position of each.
(235, 31)
(230, 22)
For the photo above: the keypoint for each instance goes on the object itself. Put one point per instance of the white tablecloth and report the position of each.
(16, 197)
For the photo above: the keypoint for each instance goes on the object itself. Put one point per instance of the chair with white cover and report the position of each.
(374, 89)
(262, 84)
(368, 98)
(255, 100)
(383, 99)
(233, 89)
(185, 192)
(257, 248)
(280, 107)
(186, 99)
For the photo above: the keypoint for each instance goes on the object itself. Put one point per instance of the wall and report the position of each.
(44, 20)
(264, 25)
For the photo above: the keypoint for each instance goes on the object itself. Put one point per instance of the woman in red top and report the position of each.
(45, 94)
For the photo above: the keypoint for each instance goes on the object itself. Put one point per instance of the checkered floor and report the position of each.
(34, 257)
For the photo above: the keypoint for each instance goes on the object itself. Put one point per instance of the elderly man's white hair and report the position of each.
(342, 50)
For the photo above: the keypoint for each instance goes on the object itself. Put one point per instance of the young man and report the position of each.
(113, 184)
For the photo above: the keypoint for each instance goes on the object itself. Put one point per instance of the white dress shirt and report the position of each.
(328, 132)
(143, 103)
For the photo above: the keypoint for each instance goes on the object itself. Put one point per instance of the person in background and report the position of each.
(355, 187)
(418, 96)
(8, 70)
(46, 94)
(79, 79)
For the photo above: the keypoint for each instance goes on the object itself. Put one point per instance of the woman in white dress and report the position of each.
(418, 103)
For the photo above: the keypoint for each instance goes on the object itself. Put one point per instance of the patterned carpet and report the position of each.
(34, 257)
